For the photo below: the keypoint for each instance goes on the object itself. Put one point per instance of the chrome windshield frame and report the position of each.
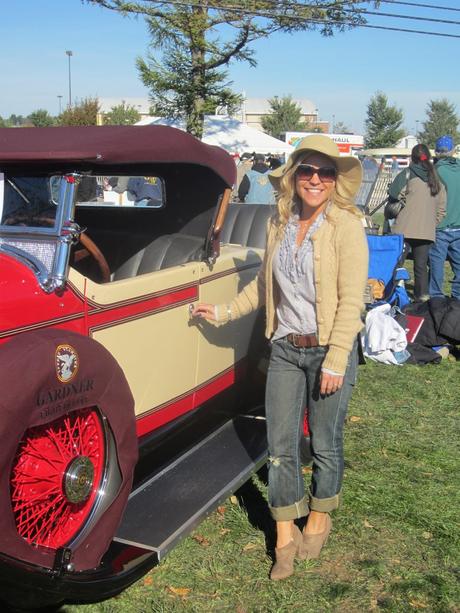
(64, 233)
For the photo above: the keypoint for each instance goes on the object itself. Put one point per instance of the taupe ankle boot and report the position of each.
(284, 565)
(313, 543)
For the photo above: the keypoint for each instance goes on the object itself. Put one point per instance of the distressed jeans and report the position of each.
(292, 385)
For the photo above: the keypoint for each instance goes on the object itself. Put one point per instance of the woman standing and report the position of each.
(425, 207)
(312, 282)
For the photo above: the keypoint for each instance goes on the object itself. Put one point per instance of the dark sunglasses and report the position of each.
(326, 174)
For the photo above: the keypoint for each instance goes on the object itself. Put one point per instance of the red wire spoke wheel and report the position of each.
(56, 477)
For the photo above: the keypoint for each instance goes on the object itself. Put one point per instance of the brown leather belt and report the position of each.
(303, 340)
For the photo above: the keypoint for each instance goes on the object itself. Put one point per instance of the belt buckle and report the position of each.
(294, 341)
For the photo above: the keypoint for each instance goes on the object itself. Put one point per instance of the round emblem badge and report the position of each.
(67, 362)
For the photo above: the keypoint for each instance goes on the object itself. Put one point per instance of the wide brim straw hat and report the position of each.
(349, 169)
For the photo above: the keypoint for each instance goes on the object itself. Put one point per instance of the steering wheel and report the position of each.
(89, 246)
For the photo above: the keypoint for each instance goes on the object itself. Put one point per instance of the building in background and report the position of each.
(142, 105)
(251, 112)
(254, 109)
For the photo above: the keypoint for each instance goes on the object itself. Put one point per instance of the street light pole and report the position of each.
(416, 129)
(60, 103)
(69, 54)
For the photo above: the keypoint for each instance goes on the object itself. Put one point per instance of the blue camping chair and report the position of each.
(386, 255)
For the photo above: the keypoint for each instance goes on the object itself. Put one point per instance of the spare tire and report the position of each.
(68, 448)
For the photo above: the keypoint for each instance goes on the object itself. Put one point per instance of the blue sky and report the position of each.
(339, 74)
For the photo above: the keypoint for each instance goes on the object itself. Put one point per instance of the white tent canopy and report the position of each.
(230, 134)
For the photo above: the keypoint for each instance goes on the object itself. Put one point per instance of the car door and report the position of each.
(223, 350)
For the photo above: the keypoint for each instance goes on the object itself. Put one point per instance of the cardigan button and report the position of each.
(318, 300)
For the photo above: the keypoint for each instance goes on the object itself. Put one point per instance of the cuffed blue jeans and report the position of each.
(446, 246)
(292, 385)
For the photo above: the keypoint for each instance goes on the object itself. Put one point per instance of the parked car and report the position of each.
(124, 422)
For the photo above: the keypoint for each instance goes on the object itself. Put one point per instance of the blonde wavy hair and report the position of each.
(289, 201)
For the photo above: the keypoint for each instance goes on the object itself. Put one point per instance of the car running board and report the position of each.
(169, 506)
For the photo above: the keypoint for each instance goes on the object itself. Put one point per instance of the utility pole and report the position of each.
(69, 54)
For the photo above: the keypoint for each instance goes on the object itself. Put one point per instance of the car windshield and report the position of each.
(26, 201)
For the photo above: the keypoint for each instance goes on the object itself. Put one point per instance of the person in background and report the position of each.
(447, 243)
(311, 282)
(425, 207)
(394, 166)
(87, 189)
(146, 191)
(273, 162)
(369, 163)
(243, 164)
(255, 187)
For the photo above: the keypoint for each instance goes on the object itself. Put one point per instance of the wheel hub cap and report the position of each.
(79, 479)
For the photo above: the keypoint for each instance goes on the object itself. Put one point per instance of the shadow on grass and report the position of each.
(253, 502)
(424, 586)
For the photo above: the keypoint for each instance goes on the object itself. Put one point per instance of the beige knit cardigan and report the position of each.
(340, 263)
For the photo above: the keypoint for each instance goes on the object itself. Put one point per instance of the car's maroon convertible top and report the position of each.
(109, 145)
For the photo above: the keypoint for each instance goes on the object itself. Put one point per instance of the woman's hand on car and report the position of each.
(205, 311)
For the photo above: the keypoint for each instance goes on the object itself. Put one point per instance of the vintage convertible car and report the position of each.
(123, 421)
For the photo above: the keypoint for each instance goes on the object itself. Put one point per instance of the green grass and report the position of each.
(394, 545)
(395, 542)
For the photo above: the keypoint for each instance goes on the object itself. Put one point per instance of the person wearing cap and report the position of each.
(447, 243)
(255, 187)
(425, 207)
(312, 282)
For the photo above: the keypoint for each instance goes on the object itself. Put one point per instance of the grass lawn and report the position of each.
(395, 541)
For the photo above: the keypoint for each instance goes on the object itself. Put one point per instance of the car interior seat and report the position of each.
(244, 225)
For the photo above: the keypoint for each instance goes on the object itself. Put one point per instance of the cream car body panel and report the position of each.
(220, 347)
(134, 339)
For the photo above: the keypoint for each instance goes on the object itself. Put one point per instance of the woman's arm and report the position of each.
(398, 184)
(441, 200)
(352, 271)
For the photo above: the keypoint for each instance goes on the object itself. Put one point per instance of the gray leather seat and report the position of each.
(245, 225)
(164, 252)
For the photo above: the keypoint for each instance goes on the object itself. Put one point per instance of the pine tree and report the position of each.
(192, 45)
(441, 119)
(383, 123)
(285, 116)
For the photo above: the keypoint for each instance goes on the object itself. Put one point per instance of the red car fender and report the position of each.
(36, 390)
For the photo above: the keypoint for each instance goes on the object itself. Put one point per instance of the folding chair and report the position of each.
(386, 255)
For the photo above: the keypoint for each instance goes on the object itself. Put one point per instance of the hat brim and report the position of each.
(349, 169)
